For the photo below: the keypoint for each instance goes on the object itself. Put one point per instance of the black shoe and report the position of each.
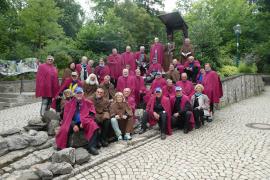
(197, 126)
(104, 143)
(185, 131)
(163, 136)
(142, 131)
(99, 145)
(93, 151)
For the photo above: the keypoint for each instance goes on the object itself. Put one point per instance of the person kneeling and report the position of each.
(79, 114)
(158, 110)
(182, 111)
(200, 104)
(121, 117)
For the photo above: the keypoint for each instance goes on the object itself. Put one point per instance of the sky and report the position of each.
(169, 6)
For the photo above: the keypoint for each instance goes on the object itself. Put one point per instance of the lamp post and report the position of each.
(237, 31)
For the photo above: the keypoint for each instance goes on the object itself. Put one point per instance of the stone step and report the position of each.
(15, 95)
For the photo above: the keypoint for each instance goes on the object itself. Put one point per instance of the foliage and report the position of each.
(228, 70)
(245, 68)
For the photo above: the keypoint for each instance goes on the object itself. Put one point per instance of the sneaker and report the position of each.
(127, 136)
(119, 138)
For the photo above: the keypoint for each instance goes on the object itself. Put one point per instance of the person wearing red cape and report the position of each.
(128, 58)
(186, 85)
(79, 115)
(186, 50)
(158, 110)
(152, 71)
(125, 81)
(212, 87)
(141, 60)
(169, 89)
(102, 70)
(83, 69)
(47, 84)
(157, 52)
(182, 116)
(140, 89)
(114, 63)
(192, 68)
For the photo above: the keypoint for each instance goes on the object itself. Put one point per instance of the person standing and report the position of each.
(114, 63)
(47, 84)
(157, 52)
(83, 69)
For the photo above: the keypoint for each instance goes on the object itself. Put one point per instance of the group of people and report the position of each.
(101, 101)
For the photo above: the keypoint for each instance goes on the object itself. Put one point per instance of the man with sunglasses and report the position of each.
(47, 84)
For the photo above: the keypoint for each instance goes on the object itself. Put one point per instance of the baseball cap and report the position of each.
(158, 89)
(178, 88)
(78, 90)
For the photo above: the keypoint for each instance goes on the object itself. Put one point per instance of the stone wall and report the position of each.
(237, 88)
(15, 86)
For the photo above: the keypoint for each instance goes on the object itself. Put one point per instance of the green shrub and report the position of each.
(226, 71)
(244, 68)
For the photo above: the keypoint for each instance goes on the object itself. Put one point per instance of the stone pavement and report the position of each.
(18, 116)
(223, 149)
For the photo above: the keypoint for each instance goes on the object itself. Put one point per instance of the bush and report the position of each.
(244, 68)
(226, 71)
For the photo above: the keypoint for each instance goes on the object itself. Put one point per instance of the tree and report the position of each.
(151, 6)
(73, 17)
(39, 23)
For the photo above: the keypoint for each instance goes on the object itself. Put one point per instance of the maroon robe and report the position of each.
(160, 52)
(129, 58)
(114, 63)
(154, 67)
(125, 82)
(196, 63)
(168, 91)
(187, 87)
(180, 68)
(158, 82)
(101, 72)
(184, 100)
(87, 121)
(79, 69)
(138, 56)
(47, 83)
(166, 106)
(212, 86)
(139, 88)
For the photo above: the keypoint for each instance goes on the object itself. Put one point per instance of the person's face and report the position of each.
(67, 94)
(92, 78)
(84, 60)
(187, 41)
(202, 71)
(79, 96)
(74, 77)
(184, 77)
(191, 59)
(158, 94)
(178, 93)
(169, 83)
(106, 80)
(198, 89)
(128, 49)
(72, 66)
(171, 68)
(142, 50)
(90, 63)
(174, 62)
(114, 51)
(49, 60)
(99, 93)
(125, 73)
(156, 40)
(207, 67)
(126, 92)
(101, 62)
(119, 98)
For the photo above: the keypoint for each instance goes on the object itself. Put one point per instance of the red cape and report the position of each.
(88, 122)
(196, 63)
(184, 100)
(139, 87)
(187, 87)
(47, 83)
(79, 69)
(128, 58)
(168, 91)
(154, 67)
(160, 51)
(101, 72)
(212, 86)
(114, 63)
(138, 55)
(167, 107)
(180, 68)
(158, 82)
(125, 82)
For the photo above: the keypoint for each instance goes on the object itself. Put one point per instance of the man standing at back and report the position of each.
(46, 84)
(157, 52)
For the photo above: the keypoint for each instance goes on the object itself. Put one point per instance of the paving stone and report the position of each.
(65, 155)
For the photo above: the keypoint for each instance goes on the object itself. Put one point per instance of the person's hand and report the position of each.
(81, 126)
(58, 97)
(176, 114)
(76, 128)
(117, 117)
(156, 115)
(124, 116)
